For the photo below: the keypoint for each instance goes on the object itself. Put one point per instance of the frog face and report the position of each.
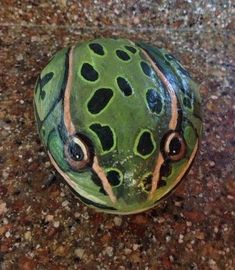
(120, 121)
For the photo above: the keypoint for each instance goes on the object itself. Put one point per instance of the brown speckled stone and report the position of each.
(45, 227)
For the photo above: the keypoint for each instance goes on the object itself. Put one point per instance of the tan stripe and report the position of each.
(174, 109)
(71, 130)
(172, 123)
(156, 175)
(67, 114)
(107, 187)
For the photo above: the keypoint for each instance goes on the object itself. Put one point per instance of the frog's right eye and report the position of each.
(174, 146)
(78, 153)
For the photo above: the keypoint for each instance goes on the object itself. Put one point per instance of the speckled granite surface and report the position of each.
(47, 228)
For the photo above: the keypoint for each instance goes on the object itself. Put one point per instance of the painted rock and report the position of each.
(120, 122)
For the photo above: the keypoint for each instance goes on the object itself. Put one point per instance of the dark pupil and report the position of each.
(175, 146)
(75, 152)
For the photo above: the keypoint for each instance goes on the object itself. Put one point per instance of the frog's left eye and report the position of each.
(77, 153)
(174, 146)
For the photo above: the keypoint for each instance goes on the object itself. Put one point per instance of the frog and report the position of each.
(120, 120)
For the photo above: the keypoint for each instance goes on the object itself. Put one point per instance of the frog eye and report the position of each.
(174, 146)
(77, 153)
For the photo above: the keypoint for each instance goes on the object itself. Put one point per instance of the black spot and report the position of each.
(89, 73)
(97, 181)
(122, 55)
(154, 101)
(147, 181)
(175, 146)
(99, 100)
(145, 144)
(146, 68)
(75, 151)
(161, 183)
(124, 86)
(187, 103)
(97, 48)
(42, 82)
(102, 190)
(165, 169)
(113, 178)
(46, 78)
(104, 134)
(131, 49)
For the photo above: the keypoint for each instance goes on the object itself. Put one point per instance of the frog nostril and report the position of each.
(114, 177)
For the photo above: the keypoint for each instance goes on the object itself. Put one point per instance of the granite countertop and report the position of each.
(46, 227)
